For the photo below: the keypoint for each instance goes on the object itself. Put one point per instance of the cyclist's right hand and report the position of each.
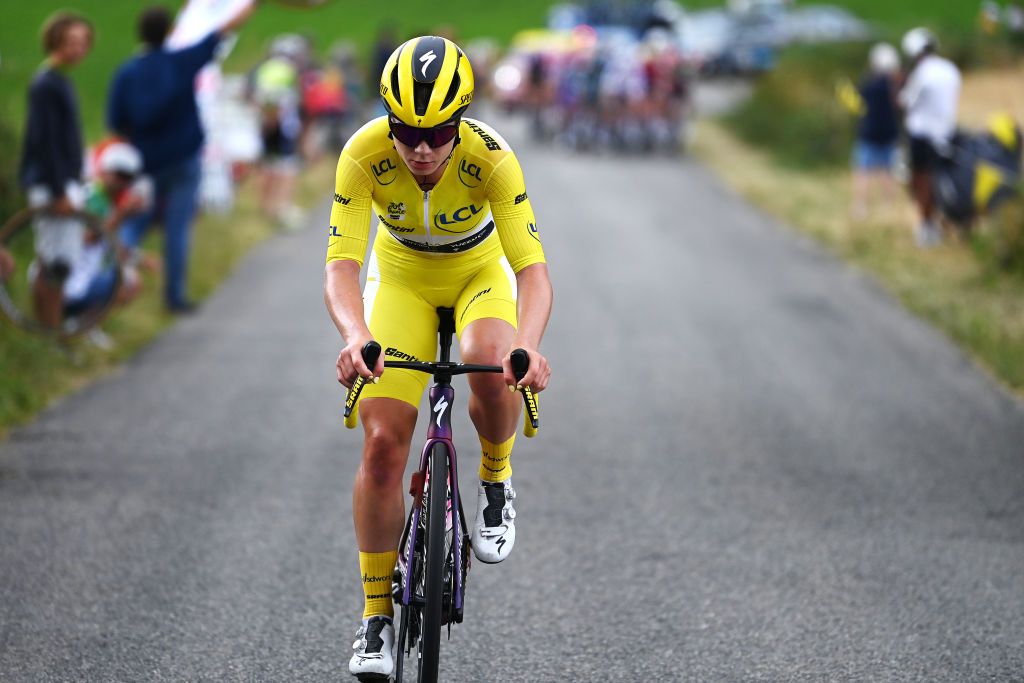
(350, 362)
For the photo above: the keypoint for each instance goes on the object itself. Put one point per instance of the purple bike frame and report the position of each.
(439, 431)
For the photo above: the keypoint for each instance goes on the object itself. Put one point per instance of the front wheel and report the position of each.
(430, 642)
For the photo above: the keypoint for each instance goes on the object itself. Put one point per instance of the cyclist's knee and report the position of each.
(489, 387)
(384, 458)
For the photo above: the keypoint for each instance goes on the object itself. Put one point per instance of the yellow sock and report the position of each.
(377, 569)
(494, 463)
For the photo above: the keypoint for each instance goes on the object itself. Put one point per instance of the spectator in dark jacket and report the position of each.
(152, 103)
(878, 130)
(51, 161)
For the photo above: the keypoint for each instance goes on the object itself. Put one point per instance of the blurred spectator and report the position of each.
(877, 131)
(112, 196)
(988, 17)
(929, 98)
(116, 192)
(51, 161)
(276, 93)
(152, 103)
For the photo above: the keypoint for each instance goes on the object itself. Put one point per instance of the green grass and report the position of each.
(971, 299)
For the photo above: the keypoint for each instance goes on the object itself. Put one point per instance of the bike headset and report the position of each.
(427, 82)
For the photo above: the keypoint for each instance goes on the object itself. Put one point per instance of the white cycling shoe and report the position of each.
(494, 532)
(372, 660)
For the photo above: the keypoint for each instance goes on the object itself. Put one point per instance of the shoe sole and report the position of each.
(370, 678)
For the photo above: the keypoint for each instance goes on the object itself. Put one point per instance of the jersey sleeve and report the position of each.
(513, 215)
(350, 214)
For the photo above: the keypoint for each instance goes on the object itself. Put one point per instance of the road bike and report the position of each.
(433, 560)
(19, 269)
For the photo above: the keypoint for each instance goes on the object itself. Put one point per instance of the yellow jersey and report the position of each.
(478, 210)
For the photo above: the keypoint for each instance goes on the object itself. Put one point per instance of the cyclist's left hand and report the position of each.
(538, 374)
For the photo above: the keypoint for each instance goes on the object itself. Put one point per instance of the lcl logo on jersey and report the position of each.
(460, 215)
(384, 171)
(468, 171)
(534, 232)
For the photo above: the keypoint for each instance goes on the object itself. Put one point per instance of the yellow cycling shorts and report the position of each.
(400, 303)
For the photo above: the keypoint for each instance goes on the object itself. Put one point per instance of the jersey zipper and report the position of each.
(426, 216)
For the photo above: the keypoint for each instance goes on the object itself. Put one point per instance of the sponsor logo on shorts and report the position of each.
(400, 355)
(475, 297)
(534, 232)
(520, 198)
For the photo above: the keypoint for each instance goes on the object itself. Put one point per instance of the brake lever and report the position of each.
(371, 352)
(520, 364)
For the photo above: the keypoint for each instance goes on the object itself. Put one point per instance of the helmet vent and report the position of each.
(453, 90)
(394, 85)
(421, 96)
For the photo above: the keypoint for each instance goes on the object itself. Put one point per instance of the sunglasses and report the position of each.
(411, 136)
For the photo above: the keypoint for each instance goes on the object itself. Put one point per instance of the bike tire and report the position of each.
(430, 636)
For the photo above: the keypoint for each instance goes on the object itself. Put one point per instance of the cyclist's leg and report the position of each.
(405, 326)
(486, 318)
(403, 323)
(486, 322)
(377, 497)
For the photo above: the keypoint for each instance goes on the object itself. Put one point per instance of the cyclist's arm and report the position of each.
(534, 309)
(520, 240)
(345, 304)
(347, 240)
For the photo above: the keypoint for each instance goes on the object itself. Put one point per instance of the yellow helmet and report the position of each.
(427, 81)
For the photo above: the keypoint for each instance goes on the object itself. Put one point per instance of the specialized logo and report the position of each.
(489, 141)
(460, 215)
(468, 171)
(425, 60)
(384, 171)
(439, 408)
(400, 355)
(534, 232)
(520, 198)
(334, 232)
(500, 543)
(341, 200)
(396, 211)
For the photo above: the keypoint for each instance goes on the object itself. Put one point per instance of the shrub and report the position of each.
(793, 110)
(1001, 244)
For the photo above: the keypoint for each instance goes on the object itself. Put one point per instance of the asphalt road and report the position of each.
(753, 465)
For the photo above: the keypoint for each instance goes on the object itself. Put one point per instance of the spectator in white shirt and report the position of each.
(929, 99)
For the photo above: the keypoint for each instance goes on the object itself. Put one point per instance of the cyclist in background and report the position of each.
(456, 229)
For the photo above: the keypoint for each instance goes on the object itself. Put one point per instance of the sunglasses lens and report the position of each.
(407, 135)
(441, 135)
(411, 136)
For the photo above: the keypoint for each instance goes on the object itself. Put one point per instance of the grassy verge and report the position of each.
(977, 305)
(36, 371)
